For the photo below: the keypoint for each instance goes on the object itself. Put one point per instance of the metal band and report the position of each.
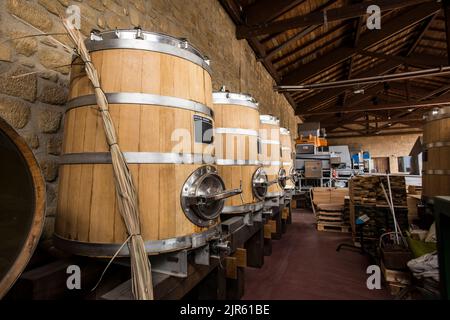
(270, 163)
(144, 99)
(136, 158)
(275, 142)
(287, 163)
(230, 162)
(285, 132)
(437, 172)
(274, 194)
(137, 44)
(441, 113)
(235, 99)
(286, 148)
(437, 144)
(268, 119)
(151, 247)
(240, 131)
(243, 208)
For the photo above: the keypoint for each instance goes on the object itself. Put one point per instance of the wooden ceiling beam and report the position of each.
(358, 29)
(368, 40)
(422, 63)
(235, 12)
(446, 5)
(376, 134)
(421, 34)
(378, 120)
(267, 10)
(442, 100)
(318, 17)
(300, 34)
(309, 43)
(324, 96)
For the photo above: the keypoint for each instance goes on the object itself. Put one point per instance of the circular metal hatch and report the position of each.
(282, 178)
(202, 196)
(259, 183)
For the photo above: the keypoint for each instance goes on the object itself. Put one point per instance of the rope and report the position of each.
(126, 193)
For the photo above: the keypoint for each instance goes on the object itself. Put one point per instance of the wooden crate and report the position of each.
(330, 227)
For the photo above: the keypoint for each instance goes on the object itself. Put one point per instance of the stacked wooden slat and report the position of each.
(329, 203)
(367, 198)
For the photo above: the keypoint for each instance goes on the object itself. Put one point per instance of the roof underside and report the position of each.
(314, 41)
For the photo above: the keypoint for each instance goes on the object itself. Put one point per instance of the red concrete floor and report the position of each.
(304, 265)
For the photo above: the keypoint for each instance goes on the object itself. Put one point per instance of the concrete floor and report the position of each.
(305, 265)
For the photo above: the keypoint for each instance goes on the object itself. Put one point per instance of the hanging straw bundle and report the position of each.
(125, 190)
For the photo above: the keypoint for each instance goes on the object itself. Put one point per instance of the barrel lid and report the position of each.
(285, 131)
(242, 99)
(438, 113)
(145, 40)
(269, 119)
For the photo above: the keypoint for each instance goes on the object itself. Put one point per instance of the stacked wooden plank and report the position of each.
(329, 203)
(367, 198)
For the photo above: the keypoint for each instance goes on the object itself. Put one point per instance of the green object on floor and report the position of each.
(419, 248)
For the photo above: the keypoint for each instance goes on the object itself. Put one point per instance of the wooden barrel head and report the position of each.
(22, 205)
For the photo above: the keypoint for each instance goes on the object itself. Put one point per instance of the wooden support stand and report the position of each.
(285, 216)
(235, 272)
(255, 249)
(277, 230)
(268, 239)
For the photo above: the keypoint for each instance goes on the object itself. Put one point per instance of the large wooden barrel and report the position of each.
(22, 205)
(270, 154)
(160, 95)
(287, 162)
(436, 157)
(236, 145)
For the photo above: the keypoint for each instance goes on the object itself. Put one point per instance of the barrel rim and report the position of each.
(137, 39)
(269, 119)
(93, 249)
(441, 113)
(237, 131)
(285, 131)
(239, 99)
(232, 162)
(137, 158)
(245, 208)
(141, 99)
(37, 226)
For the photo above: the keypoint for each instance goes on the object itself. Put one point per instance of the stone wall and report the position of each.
(34, 71)
(382, 146)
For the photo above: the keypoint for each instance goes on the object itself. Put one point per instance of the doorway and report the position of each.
(381, 164)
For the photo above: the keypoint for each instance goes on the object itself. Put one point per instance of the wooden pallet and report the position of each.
(333, 228)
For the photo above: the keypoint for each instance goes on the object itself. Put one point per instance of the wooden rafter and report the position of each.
(267, 10)
(376, 134)
(390, 29)
(318, 18)
(442, 100)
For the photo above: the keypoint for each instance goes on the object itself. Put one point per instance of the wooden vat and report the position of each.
(236, 144)
(22, 205)
(160, 95)
(287, 162)
(436, 157)
(270, 154)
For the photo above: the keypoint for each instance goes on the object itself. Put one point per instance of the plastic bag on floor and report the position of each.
(426, 266)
